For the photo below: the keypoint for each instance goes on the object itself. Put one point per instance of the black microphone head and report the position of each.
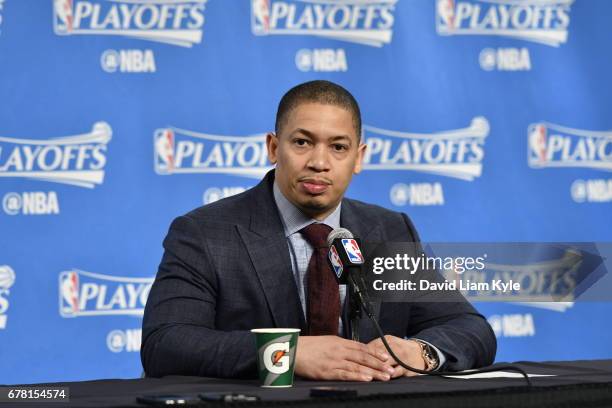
(338, 233)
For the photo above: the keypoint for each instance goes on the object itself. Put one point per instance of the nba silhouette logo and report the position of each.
(69, 293)
(260, 16)
(537, 143)
(352, 251)
(164, 151)
(336, 263)
(446, 14)
(63, 16)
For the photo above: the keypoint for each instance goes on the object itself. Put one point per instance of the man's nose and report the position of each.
(319, 158)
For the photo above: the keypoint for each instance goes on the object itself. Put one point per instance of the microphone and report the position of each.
(345, 259)
(344, 254)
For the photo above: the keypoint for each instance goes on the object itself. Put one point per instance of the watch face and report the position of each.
(430, 357)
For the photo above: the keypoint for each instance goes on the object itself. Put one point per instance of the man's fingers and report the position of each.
(372, 349)
(402, 372)
(364, 372)
(366, 359)
(408, 373)
(380, 352)
(378, 346)
(399, 371)
(356, 346)
(383, 354)
(345, 375)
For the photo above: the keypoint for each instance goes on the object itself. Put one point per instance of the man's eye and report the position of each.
(340, 147)
(301, 142)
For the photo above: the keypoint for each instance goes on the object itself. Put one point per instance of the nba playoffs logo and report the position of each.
(528, 272)
(352, 250)
(177, 22)
(368, 22)
(542, 21)
(454, 153)
(336, 263)
(77, 160)
(179, 151)
(551, 145)
(92, 294)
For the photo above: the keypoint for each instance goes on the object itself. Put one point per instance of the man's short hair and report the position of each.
(319, 91)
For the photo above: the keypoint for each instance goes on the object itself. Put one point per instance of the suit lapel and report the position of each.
(361, 225)
(268, 250)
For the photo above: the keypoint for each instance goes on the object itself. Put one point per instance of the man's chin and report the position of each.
(316, 205)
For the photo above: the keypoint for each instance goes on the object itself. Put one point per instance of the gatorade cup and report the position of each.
(276, 356)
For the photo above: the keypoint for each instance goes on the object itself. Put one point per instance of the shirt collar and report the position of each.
(294, 219)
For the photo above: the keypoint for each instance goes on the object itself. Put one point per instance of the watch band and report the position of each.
(429, 355)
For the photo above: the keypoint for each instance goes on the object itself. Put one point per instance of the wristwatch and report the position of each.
(429, 355)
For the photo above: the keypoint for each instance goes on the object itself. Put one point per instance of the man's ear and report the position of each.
(272, 145)
(359, 162)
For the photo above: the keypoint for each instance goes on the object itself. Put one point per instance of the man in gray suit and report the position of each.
(244, 262)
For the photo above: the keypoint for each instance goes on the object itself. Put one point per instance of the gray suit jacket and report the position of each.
(226, 269)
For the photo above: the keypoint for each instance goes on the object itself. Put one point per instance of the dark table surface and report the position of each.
(574, 384)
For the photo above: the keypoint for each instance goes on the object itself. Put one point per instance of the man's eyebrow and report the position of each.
(340, 138)
(311, 135)
(305, 132)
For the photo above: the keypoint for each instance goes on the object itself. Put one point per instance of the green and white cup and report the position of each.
(276, 356)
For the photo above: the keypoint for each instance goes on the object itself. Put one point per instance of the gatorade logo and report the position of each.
(276, 358)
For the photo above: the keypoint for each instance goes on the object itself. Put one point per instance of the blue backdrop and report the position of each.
(487, 120)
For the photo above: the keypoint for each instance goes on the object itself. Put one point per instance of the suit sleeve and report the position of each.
(179, 336)
(455, 328)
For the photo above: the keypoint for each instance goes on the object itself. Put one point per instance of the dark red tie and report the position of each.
(323, 297)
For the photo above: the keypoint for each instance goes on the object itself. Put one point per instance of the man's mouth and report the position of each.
(314, 186)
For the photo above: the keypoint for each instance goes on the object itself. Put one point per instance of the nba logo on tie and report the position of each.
(352, 251)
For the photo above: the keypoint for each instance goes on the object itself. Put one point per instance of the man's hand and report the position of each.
(335, 358)
(408, 351)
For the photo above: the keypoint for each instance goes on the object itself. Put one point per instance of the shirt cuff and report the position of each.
(441, 356)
